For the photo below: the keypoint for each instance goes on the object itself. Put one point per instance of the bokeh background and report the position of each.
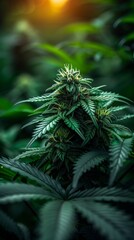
(37, 37)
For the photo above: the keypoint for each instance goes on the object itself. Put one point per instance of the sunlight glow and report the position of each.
(58, 3)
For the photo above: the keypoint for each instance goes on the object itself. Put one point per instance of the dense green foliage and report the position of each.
(83, 148)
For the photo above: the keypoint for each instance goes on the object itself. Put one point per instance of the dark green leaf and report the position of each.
(34, 174)
(86, 162)
(16, 192)
(119, 152)
(110, 222)
(57, 221)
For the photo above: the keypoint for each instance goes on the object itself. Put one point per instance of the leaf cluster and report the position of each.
(83, 149)
(58, 216)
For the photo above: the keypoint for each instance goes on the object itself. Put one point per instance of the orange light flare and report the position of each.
(58, 4)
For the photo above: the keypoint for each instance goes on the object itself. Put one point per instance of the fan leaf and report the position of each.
(74, 125)
(89, 135)
(57, 221)
(36, 99)
(86, 162)
(16, 192)
(119, 152)
(89, 108)
(9, 225)
(128, 116)
(104, 194)
(33, 173)
(110, 222)
(45, 126)
(30, 152)
(25, 231)
(34, 121)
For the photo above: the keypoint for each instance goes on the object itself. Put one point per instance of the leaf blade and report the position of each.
(16, 192)
(60, 219)
(74, 125)
(86, 162)
(112, 223)
(33, 173)
(119, 152)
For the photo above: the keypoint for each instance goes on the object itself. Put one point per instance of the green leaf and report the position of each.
(36, 99)
(45, 126)
(90, 133)
(17, 110)
(95, 48)
(57, 221)
(73, 108)
(113, 133)
(9, 225)
(110, 97)
(57, 52)
(16, 192)
(127, 38)
(6, 174)
(5, 104)
(74, 125)
(117, 108)
(35, 120)
(33, 173)
(30, 153)
(119, 152)
(121, 130)
(24, 231)
(81, 28)
(110, 222)
(89, 108)
(128, 116)
(86, 162)
(104, 194)
(125, 19)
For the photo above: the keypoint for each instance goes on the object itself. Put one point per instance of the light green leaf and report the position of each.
(81, 28)
(16, 110)
(57, 52)
(95, 48)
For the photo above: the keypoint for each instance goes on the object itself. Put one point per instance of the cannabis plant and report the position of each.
(74, 175)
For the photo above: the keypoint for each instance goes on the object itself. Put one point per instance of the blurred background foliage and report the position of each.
(37, 37)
